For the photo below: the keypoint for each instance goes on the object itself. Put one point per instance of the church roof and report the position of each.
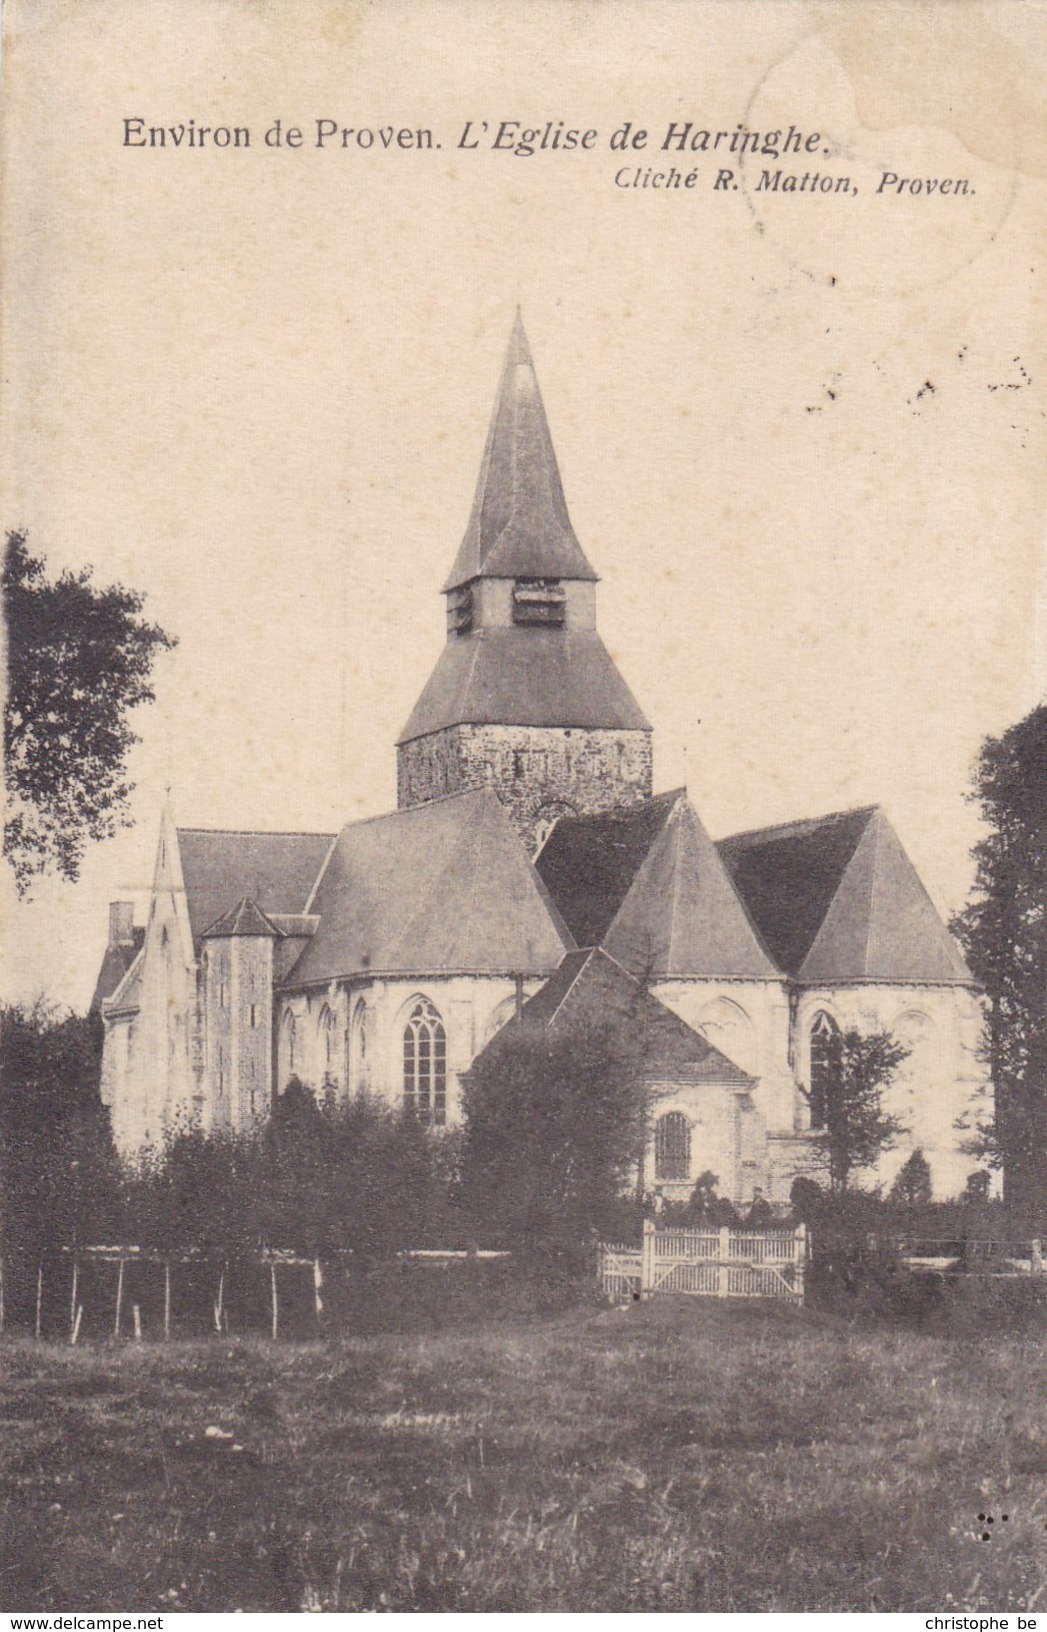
(649, 886)
(128, 994)
(442, 888)
(590, 988)
(519, 526)
(116, 961)
(788, 875)
(837, 899)
(505, 676)
(590, 862)
(245, 919)
(276, 871)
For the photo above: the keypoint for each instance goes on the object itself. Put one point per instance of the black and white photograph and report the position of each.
(523, 1023)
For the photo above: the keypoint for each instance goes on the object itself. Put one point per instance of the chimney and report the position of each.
(121, 923)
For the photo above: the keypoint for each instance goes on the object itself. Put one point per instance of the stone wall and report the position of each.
(942, 1081)
(538, 772)
(748, 1021)
(471, 1007)
(727, 1137)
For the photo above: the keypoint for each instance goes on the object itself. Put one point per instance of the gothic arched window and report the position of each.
(672, 1146)
(729, 1028)
(329, 1044)
(425, 1063)
(360, 1065)
(546, 818)
(289, 1030)
(825, 1037)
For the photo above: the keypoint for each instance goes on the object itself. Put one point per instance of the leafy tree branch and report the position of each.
(79, 658)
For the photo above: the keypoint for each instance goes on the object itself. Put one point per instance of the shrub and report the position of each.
(553, 1128)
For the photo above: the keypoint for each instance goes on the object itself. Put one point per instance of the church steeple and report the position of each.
(525, 696)
(519, 526)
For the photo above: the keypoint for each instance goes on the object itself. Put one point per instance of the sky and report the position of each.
(801, 436)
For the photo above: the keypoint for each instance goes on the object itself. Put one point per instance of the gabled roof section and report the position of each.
(442, 888)
(683, 916)
(128, 995)
(589, 862)
(787, 877)
(116, 961)
(837, 899)
(553, 677)
(245, 919)
(648, 885)
(519, 526)
(881, 924)
(590, 989)
(276, 871)
(298, 925)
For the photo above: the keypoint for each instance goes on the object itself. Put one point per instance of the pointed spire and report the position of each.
(519, 527)
(168, 879)
(167, 873)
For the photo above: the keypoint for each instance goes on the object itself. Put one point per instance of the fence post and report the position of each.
(167, 1298)
(119, 1296)
(647, 1259)
(39, 1297)
(218, 1302)
(272, 1286)
(800, 1258)
(724, 1257)
(318, 1286)
(1037, 1256)
(72, 1303)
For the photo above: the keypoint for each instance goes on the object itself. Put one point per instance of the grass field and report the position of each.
(680, 1455)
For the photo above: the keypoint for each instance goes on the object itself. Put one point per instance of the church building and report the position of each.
(530, 867)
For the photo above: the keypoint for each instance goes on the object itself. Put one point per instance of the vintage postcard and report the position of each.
(525, 592)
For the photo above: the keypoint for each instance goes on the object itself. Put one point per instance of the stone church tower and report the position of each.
(525, 697)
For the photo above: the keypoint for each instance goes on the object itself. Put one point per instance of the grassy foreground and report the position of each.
(681, 1455)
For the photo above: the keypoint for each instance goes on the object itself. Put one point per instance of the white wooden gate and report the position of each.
(720, 1263)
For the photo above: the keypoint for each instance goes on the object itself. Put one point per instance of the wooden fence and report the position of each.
(952, 1254)
(128, 1291)
(715, 1263)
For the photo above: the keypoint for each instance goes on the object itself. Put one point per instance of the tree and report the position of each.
(317, 1178)
(912, 1186)
(78, 659)
(553, 1124)
(1003, 931)
(60, 1174)
(860, 1066)
(199, 1192)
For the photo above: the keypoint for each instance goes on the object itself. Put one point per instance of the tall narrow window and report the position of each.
(360, 1064)
(672, 1146)
(289, 1041)
(425, 1063)
(329, 1044)
(825, 1037)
